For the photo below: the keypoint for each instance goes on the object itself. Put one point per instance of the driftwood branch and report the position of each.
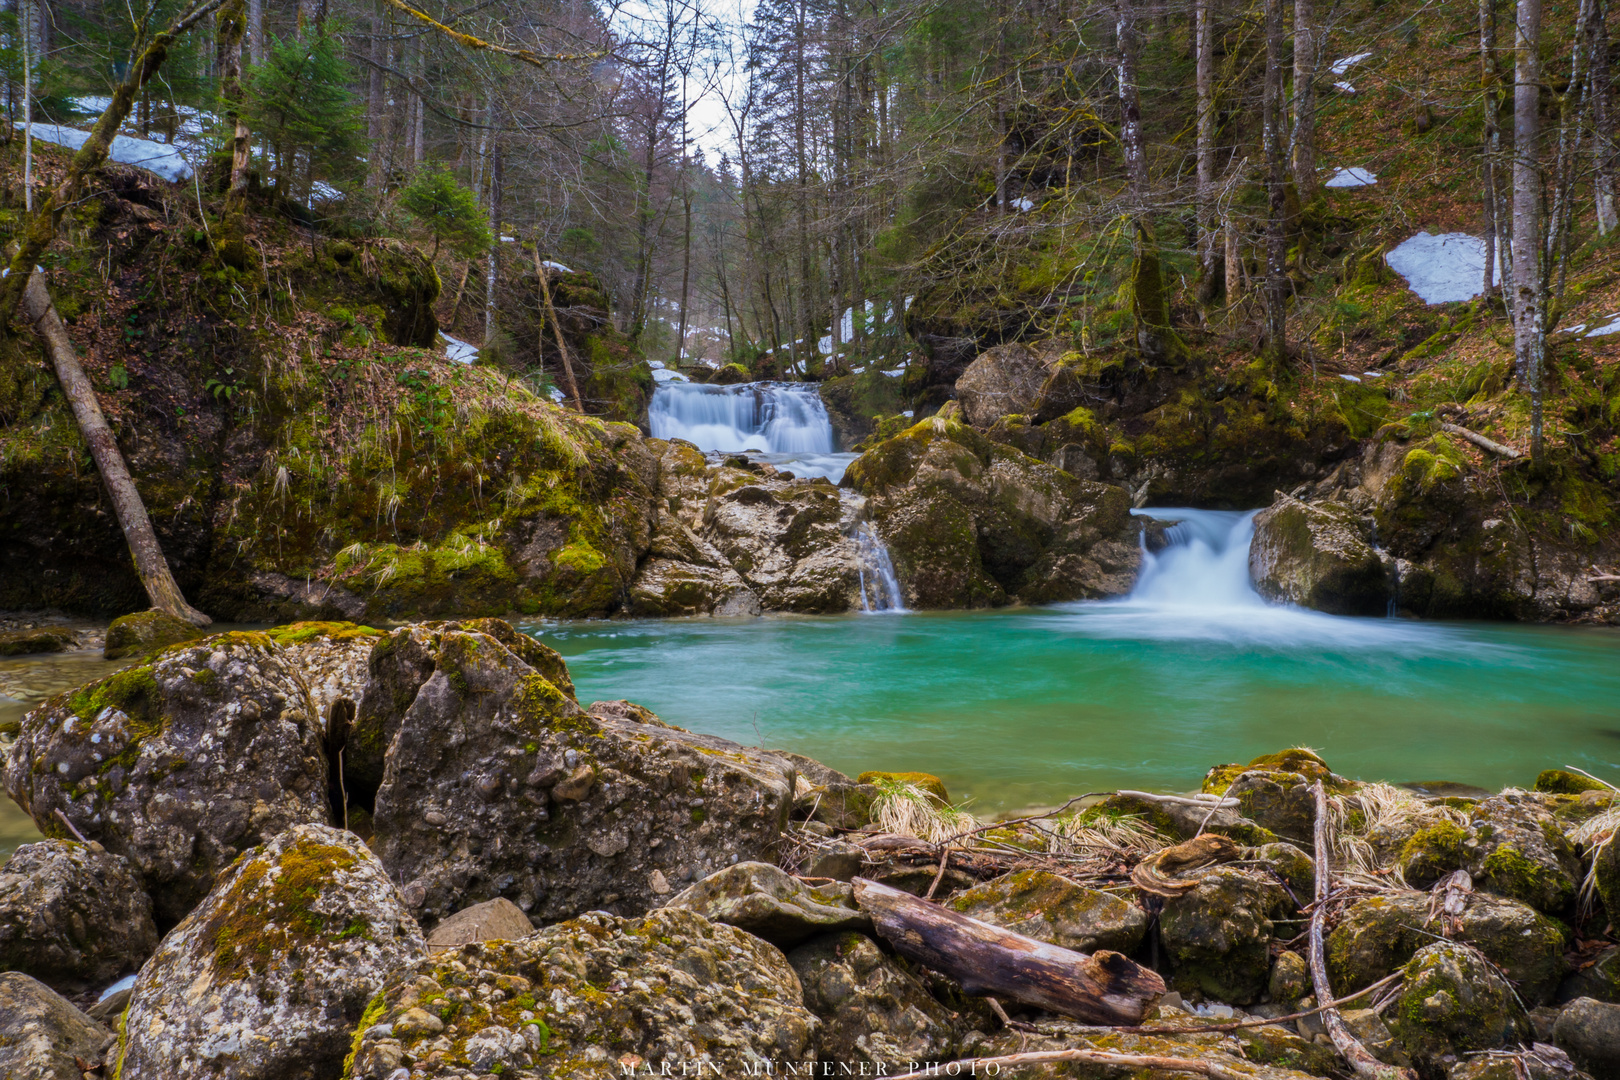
(556, 328)
(1103, 988)
(983, 1066)
(1201, 801)
(1481, 441)
(1349, 1047)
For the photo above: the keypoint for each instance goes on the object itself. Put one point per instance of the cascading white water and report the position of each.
(777, 418)
(880, 588)
(1205, 563)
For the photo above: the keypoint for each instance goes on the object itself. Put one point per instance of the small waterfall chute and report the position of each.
(1204, 564)
(784, 424)
(880, 587)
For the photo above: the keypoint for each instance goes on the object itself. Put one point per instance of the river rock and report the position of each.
(1317, 555)
(1589, 1032)
(1520, 852)
(1380, 933)
(594, 998)
(332, 658)
(874, 1012)
(1183, 820)
(1262, 1053)
(769, 903)
(179, 764)
(269, 975)
(1599, 980)
(493, 920)
(972, 523)
(788, 540)
(828, 796)
(42, 1036)
(1218, 934)
(37, 639)
(146, 632)
(72, 915)
(496, 783)
(1004, 379)
(1276, 791)
(1453, 1001)
(668, 588)
(1541, 1061)
(1048, 907)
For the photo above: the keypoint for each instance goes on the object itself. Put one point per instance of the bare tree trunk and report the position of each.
(556, 328)
(686, 274)
(232, 27)
(1603, 138)
(1234, 261)
(1492, 139)
(492, 267)
(26, 29)
(255, 32)
(1276, 284)
(1306, 50)
(1204, 50)
(38, 311)
(1529, 316)
(1130, 105)
(1572, 108)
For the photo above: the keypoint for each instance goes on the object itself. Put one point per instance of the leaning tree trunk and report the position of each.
(150, 564)
(1276, 284)
(1529, 316)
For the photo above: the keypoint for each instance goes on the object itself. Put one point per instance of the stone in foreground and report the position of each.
(1453, 1002)
(769, 903)
(41, 1035)
(1048, 907)
(267, 979)
(72, 915)
(589, 999)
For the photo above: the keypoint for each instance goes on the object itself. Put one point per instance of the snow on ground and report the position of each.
(1348, 88)
(1441, 269)
(1599, 327)
(896, 373)
(1341, 66)
(557, 266)
(1025, 204)
(323, 191)
(164, 160)
(1354, 176)
(458, 350)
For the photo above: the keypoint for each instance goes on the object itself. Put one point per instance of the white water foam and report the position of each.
(784, 424)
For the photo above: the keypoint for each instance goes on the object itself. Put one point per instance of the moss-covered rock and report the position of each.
(147, 632)
(1275, 790)
(269, 975)
(1270, 1052)
(1181, 820)
(928, 782)
(1589, 1032)
(769, 903)
(39, 639)
(1047, 907)
(1290, 979)
(1218, 935)
(1318, 556)
(1522, 852)
(1564, 782)
(1452, 1002)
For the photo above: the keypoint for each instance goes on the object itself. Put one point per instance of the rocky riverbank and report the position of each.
(325, 850)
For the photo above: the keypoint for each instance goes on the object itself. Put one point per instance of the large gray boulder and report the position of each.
(72, 915)
(1003, 380)
(769, 903)
(1218, 934)
(496, 783)
(1048, 907)
(595, 998)
(1453, 1002)
(178, 765)
(1317, 555)
(42, 1037)
(268, 977)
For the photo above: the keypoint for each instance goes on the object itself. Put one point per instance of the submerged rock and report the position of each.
(769, 903)
(874, 1013)
(178, 765)
(43, 1037)
(72, 915)
(145, 632)
(1047, 907)
(38, 639)
(496, 783)
(591, 999)
(1317, 555)
(1453, 1002)
(268, 977)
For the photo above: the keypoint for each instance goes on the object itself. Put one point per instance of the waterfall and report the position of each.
(777, 418)
(883, 592)
(1205, 563)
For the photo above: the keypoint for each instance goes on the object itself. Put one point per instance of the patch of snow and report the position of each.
(1349, 378)
(558, 396)
(458, 350)
(896, 373)
(655, 364)
(323, 191)
(1341, 66)
(163, 160)
(1599, 329)
(92, 104)
(1354, 176)
(908, 414)
(122, 984)
(508, 239)
(1024, 204)
(825, 345)
(1372, 374)
(1441, 269)
(1346, 87)
(557, 266)
(662, 375)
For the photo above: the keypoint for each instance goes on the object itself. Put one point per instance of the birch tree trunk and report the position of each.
(1529, 315)
(255, 32)
(1204, 51)
(496, 193)
(1276, 283)
(1492, 138)
(1306, 49)
(1603, 138)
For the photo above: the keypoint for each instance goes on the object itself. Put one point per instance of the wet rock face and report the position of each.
(769, 903)
(1380, 933)
(592, 998)
(178, 765)
(1452, 1002)
(1218, 934)
(268, 977)
(1317, 555)
(1048, 907)
(496, 783)
(972, 523)
(41, 1035)
(873, 1011)
(72, 915)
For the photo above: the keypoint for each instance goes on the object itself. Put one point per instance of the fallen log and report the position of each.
(1481, 441)
(1102, 988)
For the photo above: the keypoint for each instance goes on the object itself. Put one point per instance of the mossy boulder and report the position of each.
(769, 903)
(1522, 852)
(1434, 851)
(1181, 820)
(1380, 933)
(1589, 1032)
(1276, 790)
(39, 639)
(1218, 935)
(1453, 1002)
(1048, 907)
(874, 1012)
(1564, 782)
(928, 782)
(179, 764)
(1269, 1052)
(588, 999)
(146, 632)
(72, 915)
(827, 795)
(42, 1036)
(268, 977)
(1318, 555)
(1290, 979)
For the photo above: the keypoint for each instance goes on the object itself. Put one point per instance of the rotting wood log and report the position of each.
(1349, 1047)
(1481, 441)
(1102, 988)
(40, 313)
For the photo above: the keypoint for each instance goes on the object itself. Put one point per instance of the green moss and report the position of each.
(133, 691)
(1434, 852)
(374, 1012)
(1508, 872)
(1562, 782)
(299, 632)
(265, 916)
(933, 785)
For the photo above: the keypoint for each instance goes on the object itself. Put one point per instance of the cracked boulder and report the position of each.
(268, 977)
(72, 915)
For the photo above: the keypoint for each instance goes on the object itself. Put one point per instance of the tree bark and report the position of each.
(1492, 139)
(1306, 50)
(556, 328)
(1276, 284)
(144, 549)
(1204, 51)
(1103, 988)
(255, 32)
(1234, 261)
(1603, 139)
(1529, 315)
(232, 27)
(496, 194)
